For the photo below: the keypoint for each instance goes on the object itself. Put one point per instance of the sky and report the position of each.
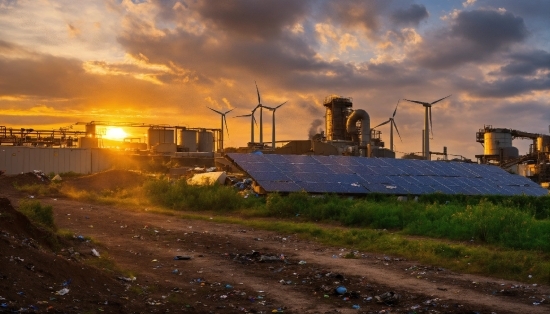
(167, 61)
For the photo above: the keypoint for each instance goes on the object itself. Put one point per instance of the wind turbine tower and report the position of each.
(273, 124)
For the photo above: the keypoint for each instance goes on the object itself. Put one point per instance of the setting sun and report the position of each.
(113, 133)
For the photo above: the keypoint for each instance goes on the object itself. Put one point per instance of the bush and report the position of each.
(179, 195)
(42, 215)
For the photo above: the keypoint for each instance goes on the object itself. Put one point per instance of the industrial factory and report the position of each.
(348, 132)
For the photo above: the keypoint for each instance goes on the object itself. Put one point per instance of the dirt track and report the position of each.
(285, 274)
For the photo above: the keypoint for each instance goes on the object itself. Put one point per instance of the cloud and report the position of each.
(471, 36)
(410, 16)
(468, 3)
(527, 63)
(489, 30)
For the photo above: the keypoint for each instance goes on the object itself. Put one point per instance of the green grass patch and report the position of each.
(42, 215)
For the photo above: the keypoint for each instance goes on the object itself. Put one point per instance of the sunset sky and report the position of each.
(165, 61)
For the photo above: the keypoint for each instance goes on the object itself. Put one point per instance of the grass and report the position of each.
(506, 237)
(42, 215)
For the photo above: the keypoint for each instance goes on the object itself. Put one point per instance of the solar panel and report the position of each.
(359, 175)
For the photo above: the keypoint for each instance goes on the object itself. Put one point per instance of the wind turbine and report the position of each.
(273, 124)
(252, 121)
(261, 118)
(392, 125)
(223, 121)
(427, 127)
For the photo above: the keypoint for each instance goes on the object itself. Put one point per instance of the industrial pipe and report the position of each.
(351, 127)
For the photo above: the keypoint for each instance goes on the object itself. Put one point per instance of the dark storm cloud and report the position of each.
(352, 13)
(507, 87)
(489, 30)
(473, 36)
(527, 63)
(529, 9)
(259, 19)
(410, 16)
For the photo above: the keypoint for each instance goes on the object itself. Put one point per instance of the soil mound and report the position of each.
(37, 280)
(17, 226)
(107, 180)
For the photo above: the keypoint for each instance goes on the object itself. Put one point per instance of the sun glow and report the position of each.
(114, 133)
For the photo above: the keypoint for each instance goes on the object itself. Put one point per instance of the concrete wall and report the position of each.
(20, 159)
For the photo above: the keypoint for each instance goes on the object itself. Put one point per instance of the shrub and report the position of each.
(42, 215)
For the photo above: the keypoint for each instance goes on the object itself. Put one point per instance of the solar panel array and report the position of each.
(359, 175)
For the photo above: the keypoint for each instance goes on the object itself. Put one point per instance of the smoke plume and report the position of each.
(315, 128)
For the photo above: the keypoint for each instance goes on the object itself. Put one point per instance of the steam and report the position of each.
(315, 128)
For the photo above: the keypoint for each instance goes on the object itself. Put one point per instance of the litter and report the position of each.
(63, 291)
(183, 257)
(388, 298)
(340, 290)
(95, 253)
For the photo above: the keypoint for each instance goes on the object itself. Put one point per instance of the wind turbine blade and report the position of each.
(418, 102)
(430, 114)
(244, 115)
(228, 111)
(381, 124)
(440, 99)
(214, 110)
(395, 111)
(226, 128)
(254, 119)
(258, 91)
(281, 104)
(395, 125)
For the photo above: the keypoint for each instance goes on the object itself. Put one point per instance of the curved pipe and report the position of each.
(351, 126)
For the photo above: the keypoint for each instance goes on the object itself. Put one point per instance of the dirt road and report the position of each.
(285, 273)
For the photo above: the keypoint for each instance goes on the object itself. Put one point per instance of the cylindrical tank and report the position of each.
(90, 130)
(159, 135)
(510, 152)
(206, 141)
(496, 140)
(88, 142)
(543, 143)
(187, 139)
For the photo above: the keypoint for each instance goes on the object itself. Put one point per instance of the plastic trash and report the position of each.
(302, 262)
(340, 290)
(63, 291)
(95, 253)
(355, 306)
(182, 257)
(388, 298)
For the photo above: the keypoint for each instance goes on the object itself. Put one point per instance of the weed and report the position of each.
(42, 215)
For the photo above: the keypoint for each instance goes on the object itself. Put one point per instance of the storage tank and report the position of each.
(510, 152)
(159, 135)
(496, 140)
(90, 130)
(543, 143)
(206, 141)
(88, 142)
(187, 139)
